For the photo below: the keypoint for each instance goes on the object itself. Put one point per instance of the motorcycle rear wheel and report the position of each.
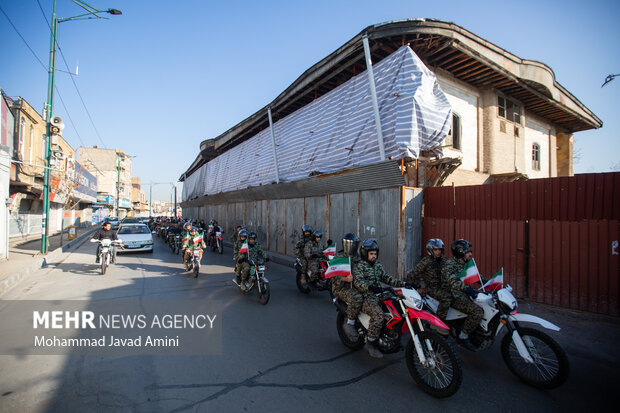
(264, 294)
(551, 367)
(353, 345)
(445, 378)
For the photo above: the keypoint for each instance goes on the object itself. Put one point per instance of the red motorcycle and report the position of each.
(432, 362)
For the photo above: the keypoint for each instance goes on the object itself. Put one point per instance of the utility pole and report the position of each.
(175, 199)
(118, 182)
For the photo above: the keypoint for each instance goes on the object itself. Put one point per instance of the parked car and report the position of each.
(114, 221)
(135, 237)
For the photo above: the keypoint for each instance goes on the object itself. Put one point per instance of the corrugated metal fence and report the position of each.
(379, 213)
(556, 238)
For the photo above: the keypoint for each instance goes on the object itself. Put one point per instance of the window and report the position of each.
(22, 132)
(536, 157)
(454, 136)
(508, 110)
(31, 142)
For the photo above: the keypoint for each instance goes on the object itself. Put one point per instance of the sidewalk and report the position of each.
(25, 257)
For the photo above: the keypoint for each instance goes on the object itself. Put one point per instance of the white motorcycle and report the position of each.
(531, 355)
(107, 254)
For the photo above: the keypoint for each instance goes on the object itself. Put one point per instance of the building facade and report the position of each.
(112, 168)
(510, 120)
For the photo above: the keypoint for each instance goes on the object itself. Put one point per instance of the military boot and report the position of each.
(350, 331)
(373, 350)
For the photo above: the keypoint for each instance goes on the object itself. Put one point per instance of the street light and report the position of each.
(92, 13)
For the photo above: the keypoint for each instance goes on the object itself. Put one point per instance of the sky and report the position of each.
(165, 75)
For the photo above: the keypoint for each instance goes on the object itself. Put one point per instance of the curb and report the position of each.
(42, 262)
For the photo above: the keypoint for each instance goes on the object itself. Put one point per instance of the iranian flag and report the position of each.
(495, 283)
(198, 238)
(470, 273)
(186, 237)
(338, 267)
(330, 251)
(244, 248)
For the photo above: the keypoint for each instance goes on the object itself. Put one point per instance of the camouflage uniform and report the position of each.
(299, 253)
(234, 237)
(190, 244)
(346, 292)
(254, 253)
(427, 273)
(460, 300)
(314, 264)
(236, 247)
(365, 274)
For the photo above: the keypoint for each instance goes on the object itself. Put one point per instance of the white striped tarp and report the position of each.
(337, 131)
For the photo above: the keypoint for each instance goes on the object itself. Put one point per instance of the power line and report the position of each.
(22, 37)
(73, 81)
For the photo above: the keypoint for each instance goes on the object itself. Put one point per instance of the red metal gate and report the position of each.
(556, 238)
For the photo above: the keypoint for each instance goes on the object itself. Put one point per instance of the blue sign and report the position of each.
(124, 203)
(106, 199)
(87, 183)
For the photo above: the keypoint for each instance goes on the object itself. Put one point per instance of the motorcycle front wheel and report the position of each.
(104, 263)
(550, 368)
(443, 377)
(196, 269)
(264, 293)
(220, 248)
(353, 345)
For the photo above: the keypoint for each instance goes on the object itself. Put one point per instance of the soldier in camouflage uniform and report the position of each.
(235, 236)
(313, 251)
(243, 235)
(367, 276)
(461, 253)
(426, 277)
(254, 253)
(342, 287)
(304, 238)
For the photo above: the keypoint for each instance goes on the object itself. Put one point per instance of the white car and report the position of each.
(135, 237)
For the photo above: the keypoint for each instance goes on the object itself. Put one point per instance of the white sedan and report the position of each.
(135, 237)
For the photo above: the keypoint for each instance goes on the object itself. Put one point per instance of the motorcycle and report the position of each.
(177, 244)
(257, 279)
(106, 254)
(319, 284)
(531, 355)
(431, 361)
(217, 242)
(193, 263)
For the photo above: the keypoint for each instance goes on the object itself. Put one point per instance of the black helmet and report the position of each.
(243, 233)
(369, 245)
(193, 229)
(317, 233)
(350, 243)
(460, 247)
(306, 228)
(253, 235)
(434, 243)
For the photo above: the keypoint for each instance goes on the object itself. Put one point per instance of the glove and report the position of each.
(329, 242)
(375, 289)
(267, 259)
(410, 286)
(471, 292)
(315, 256)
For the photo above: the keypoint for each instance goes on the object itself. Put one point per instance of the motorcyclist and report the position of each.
(173, 230)
(213, 228)
(254, 252)
(458, 290)
(243, 236)
(185, 237)
(426, 277)
(304, 237)
(235, 235)
(105, 232)
(342, 287)
(313, 251)
(368, 275)
(194, 241)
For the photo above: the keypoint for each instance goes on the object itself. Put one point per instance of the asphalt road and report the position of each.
(280, 357)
